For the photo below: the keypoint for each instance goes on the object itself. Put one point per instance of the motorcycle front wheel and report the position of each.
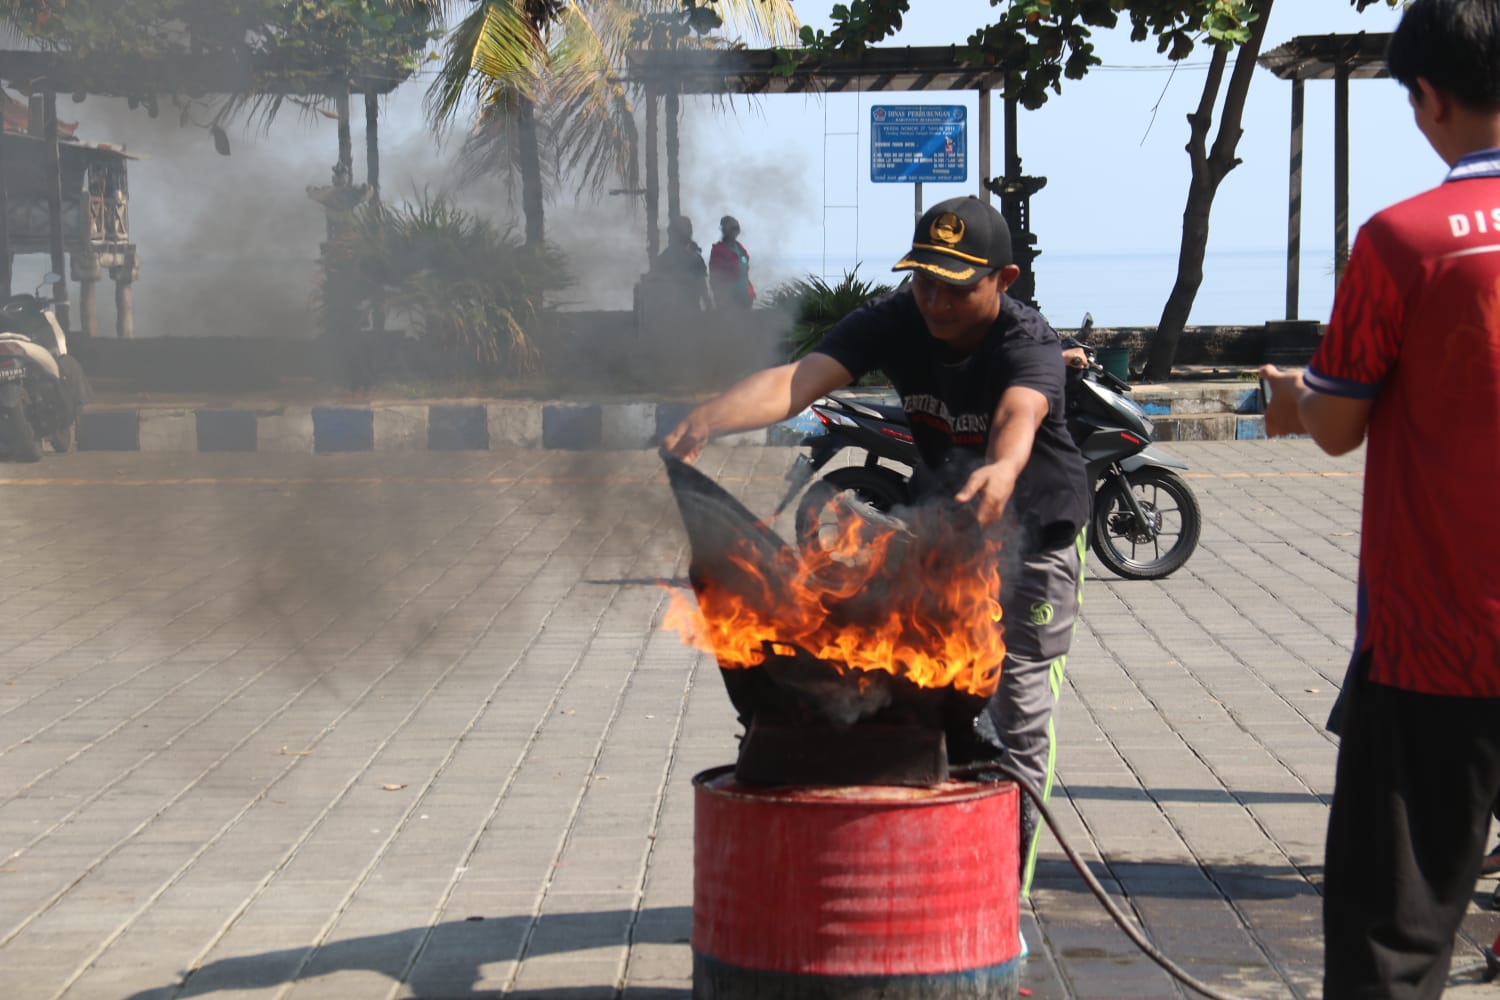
(877, 487)
(1164, 542)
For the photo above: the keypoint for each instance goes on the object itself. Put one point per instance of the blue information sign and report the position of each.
(918, 143)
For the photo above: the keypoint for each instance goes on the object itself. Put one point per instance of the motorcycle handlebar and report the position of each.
(1111, 379)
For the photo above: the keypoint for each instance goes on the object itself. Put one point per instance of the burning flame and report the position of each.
(874, 597)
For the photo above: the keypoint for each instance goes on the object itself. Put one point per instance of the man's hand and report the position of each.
(1074, 357)
(687, 439)
(1336, 423)
(1283, 391)
(990, 487)
(757, 400)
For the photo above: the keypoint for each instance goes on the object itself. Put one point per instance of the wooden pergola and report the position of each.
(1339, 58)
(667, 74)
(44, 75)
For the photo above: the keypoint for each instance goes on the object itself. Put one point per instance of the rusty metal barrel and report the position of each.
(839, 893)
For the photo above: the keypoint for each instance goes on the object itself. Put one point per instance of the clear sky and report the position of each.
(236, 238)
(1109, 218)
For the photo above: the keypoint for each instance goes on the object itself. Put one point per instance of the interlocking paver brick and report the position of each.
(405, 725)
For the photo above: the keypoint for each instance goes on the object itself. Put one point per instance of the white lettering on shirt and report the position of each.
(1479, 221)
(931, 406)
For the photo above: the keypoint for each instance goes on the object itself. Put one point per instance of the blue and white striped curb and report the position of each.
(480, 426)
(402, 427)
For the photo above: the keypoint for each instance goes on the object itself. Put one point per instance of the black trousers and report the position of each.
(1418, 776)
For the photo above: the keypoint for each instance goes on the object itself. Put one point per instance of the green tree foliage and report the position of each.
(1043, 42)
(546, 82)
(297, 31)
(273, 46)
(813, 306)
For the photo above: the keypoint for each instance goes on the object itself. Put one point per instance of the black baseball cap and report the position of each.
(959, 241)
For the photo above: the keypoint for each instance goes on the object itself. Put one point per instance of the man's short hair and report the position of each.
(1453, 45)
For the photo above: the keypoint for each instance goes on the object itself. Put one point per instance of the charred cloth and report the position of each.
(840, 673)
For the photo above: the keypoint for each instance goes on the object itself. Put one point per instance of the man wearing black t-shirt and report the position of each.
(981, 378)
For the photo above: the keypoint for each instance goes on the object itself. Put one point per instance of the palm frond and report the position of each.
(813, 306)
(770, 21)
(493, 146)
(496, 44)
(588, 105)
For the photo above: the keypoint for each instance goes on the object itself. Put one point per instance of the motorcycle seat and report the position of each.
(34, 352)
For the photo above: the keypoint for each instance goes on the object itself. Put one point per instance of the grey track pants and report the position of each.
(1040, 603)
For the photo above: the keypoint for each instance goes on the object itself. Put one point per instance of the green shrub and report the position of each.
(814, 306)
(465, 289)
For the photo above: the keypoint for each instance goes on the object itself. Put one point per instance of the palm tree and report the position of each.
(547, 75)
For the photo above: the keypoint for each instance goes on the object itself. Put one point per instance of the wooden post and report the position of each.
(6, 259)
(346, 139)
(653, 183)
(372, 178)
(674, 149)
(984, 144)
(1340, 169)
(372, 143)
(1012, 144)
(1294, 206)
(54, 209)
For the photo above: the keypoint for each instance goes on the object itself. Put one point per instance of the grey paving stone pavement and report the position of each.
(406, 726)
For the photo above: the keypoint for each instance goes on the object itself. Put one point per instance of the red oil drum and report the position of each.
(856, 892)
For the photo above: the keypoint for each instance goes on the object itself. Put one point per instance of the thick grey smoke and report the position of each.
(735, 163)
(227, 244)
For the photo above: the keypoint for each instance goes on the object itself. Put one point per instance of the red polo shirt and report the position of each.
(1416, 328)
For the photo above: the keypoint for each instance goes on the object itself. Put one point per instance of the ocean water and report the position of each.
(1130, 289)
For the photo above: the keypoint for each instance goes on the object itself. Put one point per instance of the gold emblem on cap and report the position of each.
(947, 229)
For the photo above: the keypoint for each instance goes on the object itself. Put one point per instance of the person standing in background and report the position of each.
(729, 268)
(680, 266)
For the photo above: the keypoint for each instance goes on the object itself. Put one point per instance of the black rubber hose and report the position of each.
(1127, 925)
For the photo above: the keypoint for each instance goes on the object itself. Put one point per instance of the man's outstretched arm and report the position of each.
(757, 401)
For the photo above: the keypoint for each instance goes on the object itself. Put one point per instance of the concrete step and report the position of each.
(1209, 427)
(1185, 398)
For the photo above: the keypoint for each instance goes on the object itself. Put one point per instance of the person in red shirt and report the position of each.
(729, 268)
(1410, 366)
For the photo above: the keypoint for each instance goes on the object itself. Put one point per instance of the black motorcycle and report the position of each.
(42, 386)
(1144, 521)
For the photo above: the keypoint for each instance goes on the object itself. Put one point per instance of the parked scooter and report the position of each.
(42, 386)
(1144, 521)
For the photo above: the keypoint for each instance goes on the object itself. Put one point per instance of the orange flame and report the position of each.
(873, 598)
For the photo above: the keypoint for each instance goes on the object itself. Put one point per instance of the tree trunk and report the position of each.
(55, 209)
(345, 166)
(531, 170)
(674, 152)
(1210, 166)
(5, 258)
